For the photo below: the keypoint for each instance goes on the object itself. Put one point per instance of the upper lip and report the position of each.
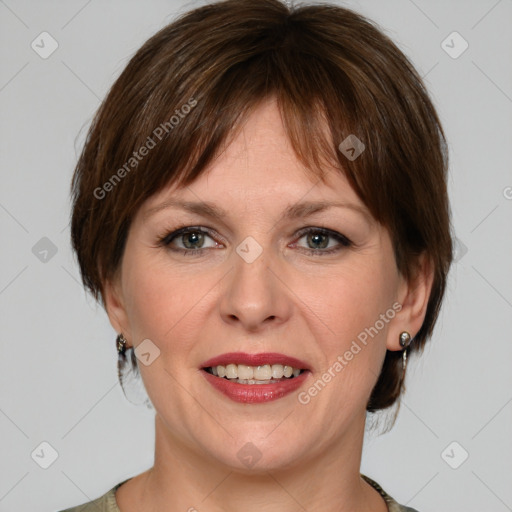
(255, 360)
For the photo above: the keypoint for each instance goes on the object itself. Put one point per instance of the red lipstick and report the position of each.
(255, 360)
(255, 393)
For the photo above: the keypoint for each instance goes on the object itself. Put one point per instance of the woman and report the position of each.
(261, 207)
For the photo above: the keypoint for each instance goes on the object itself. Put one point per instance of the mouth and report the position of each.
(255, 378)
(263, 374)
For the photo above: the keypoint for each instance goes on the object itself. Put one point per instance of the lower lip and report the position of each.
(255, 393)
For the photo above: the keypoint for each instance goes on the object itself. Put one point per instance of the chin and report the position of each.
(254, 455)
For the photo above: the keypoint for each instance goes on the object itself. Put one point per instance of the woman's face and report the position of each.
(258, 282)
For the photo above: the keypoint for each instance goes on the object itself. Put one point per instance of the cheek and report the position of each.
(153, 301)
(348, 302)
(149, 308)
(348, 307)
(164, 304)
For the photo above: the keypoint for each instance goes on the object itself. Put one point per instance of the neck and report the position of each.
(182, 480)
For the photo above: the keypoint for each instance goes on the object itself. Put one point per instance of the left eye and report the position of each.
(318, 240)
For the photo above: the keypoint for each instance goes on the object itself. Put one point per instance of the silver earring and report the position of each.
(405, 341)
(121, 344)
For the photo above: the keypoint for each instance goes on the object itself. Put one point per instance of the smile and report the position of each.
(244, 374)
(255, 378)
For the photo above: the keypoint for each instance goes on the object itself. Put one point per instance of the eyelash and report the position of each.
(166, 240)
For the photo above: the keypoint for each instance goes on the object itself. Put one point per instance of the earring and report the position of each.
(405, 341)
(129, 376)
(121, 344)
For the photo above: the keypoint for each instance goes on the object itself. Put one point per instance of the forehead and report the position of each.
(258, 166)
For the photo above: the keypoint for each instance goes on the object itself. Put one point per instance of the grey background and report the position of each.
(58, 379)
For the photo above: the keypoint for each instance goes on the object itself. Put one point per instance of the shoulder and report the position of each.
(105, 503)
(393, 505)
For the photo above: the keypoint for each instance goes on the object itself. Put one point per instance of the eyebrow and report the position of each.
(294, 211)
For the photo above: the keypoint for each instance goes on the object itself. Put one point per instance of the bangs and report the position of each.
(187, 149)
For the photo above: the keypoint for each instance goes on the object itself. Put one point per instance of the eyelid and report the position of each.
(175, 233)
(343, 241)
(324, 231)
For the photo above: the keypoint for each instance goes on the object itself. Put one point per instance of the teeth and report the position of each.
(263, 374)
(232, 371)
(277, 371)
(245, 372)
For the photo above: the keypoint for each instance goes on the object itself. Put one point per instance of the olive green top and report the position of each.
(107, 502)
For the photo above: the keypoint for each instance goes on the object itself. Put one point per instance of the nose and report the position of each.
(256, 295)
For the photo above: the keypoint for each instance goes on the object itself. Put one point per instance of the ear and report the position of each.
(413, 296)
(115, 306)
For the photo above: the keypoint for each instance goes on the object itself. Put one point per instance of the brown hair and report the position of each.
(186, 89)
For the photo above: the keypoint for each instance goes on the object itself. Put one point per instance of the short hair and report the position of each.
(186, 90)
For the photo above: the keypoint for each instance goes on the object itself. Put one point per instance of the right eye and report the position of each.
(188, 240)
